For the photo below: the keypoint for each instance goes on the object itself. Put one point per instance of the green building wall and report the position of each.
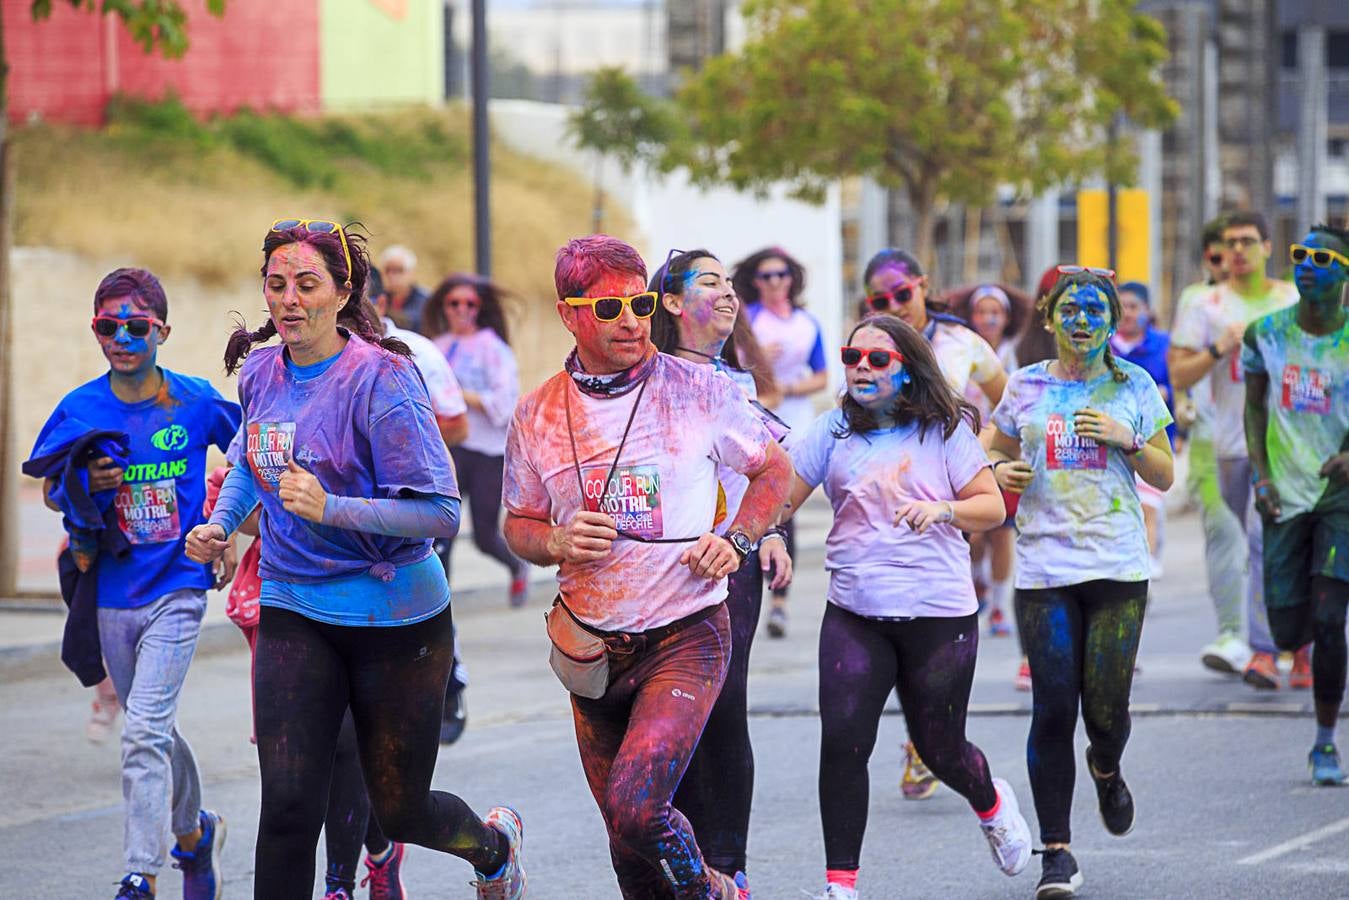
(380, 52)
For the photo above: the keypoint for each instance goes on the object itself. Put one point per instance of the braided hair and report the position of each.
(356, 313)
(1106, 286)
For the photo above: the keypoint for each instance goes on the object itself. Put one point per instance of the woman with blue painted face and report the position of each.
(1071, 432)
(904, 471)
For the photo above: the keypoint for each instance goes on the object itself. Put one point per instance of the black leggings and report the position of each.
(718, 785)
(1081, 641)
(1319, 621)
(305, 675)
(931, 663)
(480, 481)
(350, 822)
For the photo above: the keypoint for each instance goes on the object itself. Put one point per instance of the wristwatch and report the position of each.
(1139, 443)
(1214, 352)
(741, 542)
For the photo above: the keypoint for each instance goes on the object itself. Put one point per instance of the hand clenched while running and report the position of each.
(588, 537)
(301, 493)
(206, 543)
(1013, 476)
(711, 557)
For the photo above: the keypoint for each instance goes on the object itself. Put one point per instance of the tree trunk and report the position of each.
(597, 216)
(9, 463)
(923, 200)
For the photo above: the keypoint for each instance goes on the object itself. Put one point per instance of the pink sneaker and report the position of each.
(386, 878)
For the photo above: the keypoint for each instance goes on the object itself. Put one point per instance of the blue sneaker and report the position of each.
(135, 887)
(202, 879)
(1324, 761)
(742, 886)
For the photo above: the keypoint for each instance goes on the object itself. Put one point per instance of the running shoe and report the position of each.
(1114, 800)
(1059, 877)
(1300, 677)
(834, 891)
(1262, 672)
(1324, 761)
(102, 718)
(1007, 832)
(742, 886)
(729, 888)
(202, 878)
(135, 887)
(997, 624)
(454, 719)
(509, 883)
(917, 783)
(1228, 654)
(386, 878)
(1023, 675)
(338, 893)
(777, 622)
(519, 590)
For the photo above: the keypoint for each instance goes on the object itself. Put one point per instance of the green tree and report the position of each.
(618, 120)
(943, 99)
(156, 25)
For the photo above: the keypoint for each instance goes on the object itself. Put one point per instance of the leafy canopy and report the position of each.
(154, 24)
(618, 119)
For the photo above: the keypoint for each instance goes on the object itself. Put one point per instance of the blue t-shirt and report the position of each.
(161, 496)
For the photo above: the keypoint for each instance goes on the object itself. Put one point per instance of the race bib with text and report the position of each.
(269, 449)
(632, 498)
(1066, 450)
(1306, 390)
(147, 512)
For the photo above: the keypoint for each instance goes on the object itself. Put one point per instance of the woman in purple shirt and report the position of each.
(342, 452)
(905, 473)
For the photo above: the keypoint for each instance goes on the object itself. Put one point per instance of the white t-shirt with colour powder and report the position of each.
(795, 348)
(1200, 323)
(877, 568)
(1080, 518)
(692, 419)
(964, 356)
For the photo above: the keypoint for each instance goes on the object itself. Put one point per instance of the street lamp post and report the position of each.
(482, 213)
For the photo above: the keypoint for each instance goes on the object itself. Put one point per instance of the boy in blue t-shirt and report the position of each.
(152, 599)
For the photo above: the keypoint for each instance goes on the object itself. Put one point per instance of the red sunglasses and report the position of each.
(878, 359)
(139, 327)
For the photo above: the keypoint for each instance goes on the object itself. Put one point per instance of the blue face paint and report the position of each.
(1321, 286)
(1083, 310)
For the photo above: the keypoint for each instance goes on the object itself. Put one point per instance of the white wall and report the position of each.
(669, 212)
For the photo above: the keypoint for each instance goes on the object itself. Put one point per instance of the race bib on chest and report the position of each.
(1066, 450)
(632, 498)
(147, 513)
(1306, 390)
(269, 449)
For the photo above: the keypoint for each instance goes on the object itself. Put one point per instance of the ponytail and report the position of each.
(241, 341)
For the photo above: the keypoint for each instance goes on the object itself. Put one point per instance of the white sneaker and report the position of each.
(834, 891)
(510, 882)
(1228, 654)
(1007, 832)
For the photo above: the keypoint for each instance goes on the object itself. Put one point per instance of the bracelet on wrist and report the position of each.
(950, 512)
(1263, 484)
(1214, 352)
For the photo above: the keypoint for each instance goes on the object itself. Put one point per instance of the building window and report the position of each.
(1337, 49)
(1288, 53)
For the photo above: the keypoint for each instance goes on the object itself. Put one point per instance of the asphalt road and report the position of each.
(1225, 807)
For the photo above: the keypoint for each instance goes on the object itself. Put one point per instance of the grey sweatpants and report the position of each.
(148, 651)
(1234, 480)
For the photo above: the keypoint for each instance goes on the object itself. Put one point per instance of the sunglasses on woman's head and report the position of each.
(1321, 257)
(1108, 274)
(608, 309)
(139, 327)
(886, 299)
(319, 226)
(773, 275)
(877, 359)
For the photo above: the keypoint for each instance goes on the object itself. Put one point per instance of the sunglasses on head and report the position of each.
(1108, 274)
(608, 309)
(1321, 257)
(319, 226)
(773, 275)
(883, 300)
(877, 359)
(139, 327)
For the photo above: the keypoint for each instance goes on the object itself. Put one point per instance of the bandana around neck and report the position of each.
(614, 385)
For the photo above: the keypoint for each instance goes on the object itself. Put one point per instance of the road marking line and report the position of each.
(1297, 843)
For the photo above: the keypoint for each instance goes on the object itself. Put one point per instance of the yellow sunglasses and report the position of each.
(608, 309)
(1320, 256)
(318, 226)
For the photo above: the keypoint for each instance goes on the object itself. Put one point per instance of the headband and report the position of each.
(991, 290)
